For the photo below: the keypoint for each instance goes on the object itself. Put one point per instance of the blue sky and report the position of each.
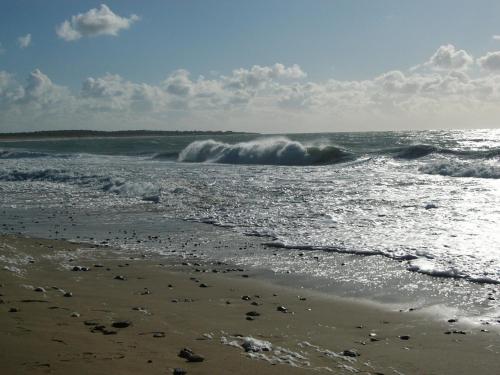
(348, 41)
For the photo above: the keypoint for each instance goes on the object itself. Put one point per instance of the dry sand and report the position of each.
(172, 306)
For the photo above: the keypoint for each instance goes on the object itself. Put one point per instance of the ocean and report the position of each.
(393, 204)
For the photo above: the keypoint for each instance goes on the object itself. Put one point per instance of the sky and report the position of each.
(265, 65)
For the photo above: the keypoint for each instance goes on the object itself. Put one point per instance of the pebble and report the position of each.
(98, 328)
(75, 314)
(13, 309)
(179, 371)
(350, 353)
(120, 277)
(246, 298)
(40, 289)
(121, 324)
(252, 313)
(455, 331)
(404, 337)
(80, 268)
(203, 285)
(188, 354)
(282, 309)
(68, 294)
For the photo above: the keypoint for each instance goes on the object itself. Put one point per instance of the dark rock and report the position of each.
(203, 285)
(282, 309)
(252, 313)
(404, 337)
(90, 323)
(246, 298)
(13, 309)
(40, 289)
(188, 354)
(120, 277)
(455, 332)
(99, 328)
(179, 371)
(121, 324)
(452, 320)
(250, 318)
(350, 353)
(68, 294)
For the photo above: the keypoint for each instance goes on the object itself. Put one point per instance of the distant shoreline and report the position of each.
(109, 134)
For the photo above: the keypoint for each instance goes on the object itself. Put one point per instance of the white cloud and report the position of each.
(261, 98)
(2, 49)
(257, 75)
(95, 22)
(24, 41)
(496, 37)
(447, 57)
(179, 83)
(490, 62)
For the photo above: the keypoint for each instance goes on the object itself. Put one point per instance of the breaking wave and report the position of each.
(420, 150)
(11, 154)
(270, 151)
(119, 186)
(454, 169)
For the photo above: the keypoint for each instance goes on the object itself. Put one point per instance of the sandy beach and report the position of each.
(99, 315)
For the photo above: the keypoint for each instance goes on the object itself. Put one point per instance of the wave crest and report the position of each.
(270, 151)
(415, 151)
(119, 186)
(11, 154)
(447, 168)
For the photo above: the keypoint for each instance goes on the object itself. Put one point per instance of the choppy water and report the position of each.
(430, 199)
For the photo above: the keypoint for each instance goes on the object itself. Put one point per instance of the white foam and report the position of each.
(271, 151)
(459, 169)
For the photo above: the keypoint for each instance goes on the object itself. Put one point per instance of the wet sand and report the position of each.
(66, 325)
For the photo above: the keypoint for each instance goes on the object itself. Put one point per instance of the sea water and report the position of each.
(428, 201)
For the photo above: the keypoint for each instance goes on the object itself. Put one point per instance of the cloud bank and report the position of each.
(449, 90)
(95, 22)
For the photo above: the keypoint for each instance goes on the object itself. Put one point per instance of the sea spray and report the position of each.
(267, 151)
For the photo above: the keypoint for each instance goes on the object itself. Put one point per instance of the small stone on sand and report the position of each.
(121, 323)
(350, 353)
